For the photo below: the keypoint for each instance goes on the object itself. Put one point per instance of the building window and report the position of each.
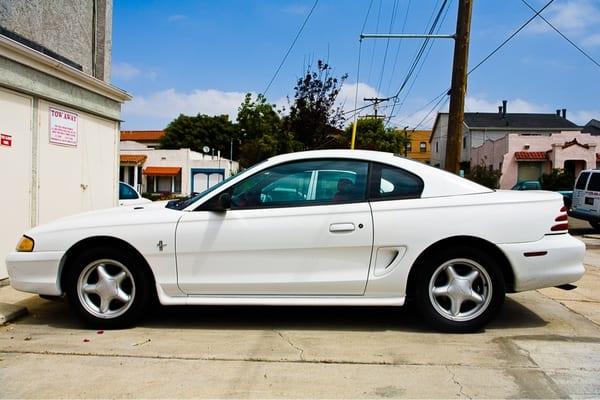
(436, 147)
(423, 147)
(464, 142)
(409, 146)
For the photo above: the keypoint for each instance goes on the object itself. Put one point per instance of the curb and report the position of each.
(10, 312)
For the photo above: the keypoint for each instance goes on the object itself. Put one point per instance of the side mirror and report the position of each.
(223, 202)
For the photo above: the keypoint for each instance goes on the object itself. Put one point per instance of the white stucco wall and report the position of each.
(185, 159)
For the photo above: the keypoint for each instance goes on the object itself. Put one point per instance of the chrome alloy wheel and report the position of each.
(460, 289)
(106, 288)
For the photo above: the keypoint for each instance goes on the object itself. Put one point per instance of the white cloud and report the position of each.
(476, 104)
(124, 71)
(159, 108)
(591, 40)
(347, 94)
(177, 18)
(576, 18)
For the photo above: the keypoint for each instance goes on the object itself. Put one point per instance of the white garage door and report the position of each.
(15, 170)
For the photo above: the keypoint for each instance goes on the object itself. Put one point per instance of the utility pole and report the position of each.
(458, 89)
(375, 101)
(405, 141)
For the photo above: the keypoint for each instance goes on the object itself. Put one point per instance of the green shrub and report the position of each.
(484, 176)
(557, 180)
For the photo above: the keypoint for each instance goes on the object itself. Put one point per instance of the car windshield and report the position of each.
(180, 205)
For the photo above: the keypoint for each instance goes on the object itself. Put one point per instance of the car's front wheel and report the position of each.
(459, 289)
(107, 289)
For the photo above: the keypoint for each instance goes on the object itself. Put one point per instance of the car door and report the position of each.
(288, 232)
(590, 203)
(578, 202)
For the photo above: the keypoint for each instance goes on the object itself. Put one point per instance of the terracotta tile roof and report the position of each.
(161, 171)
(142, 136)
(133, 158)
(531, 155)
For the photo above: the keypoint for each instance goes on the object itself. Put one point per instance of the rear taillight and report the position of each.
(563, 220)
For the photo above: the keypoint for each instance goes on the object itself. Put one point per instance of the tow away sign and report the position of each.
(63, 127)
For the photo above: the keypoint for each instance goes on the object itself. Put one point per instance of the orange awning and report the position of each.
(162, 171)
(531, 155)
(133, 158)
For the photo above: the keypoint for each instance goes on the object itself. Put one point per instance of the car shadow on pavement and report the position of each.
(58, 314)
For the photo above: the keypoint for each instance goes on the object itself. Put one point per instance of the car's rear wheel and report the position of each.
(459, 289)
(108, 289)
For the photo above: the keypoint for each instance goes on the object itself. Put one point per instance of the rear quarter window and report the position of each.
(594, 184)
(391, 183)
(582, 180)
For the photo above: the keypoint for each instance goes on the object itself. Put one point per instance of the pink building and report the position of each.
(523, 157)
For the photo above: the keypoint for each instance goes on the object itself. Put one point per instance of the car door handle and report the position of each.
(342, 227)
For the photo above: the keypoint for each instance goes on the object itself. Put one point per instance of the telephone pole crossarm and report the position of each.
(404, 36)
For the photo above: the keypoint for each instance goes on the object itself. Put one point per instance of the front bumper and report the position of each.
(35, 272)
(563, 262)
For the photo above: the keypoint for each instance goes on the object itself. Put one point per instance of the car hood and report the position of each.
(142, 214)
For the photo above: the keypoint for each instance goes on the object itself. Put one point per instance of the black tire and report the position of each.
(595, 225)
(488, 285)
(137, 283)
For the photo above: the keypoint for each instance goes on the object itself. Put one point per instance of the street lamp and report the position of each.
(405, 141)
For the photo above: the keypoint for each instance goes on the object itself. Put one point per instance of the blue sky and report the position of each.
(202, 56)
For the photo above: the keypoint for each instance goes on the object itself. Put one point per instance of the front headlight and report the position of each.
(25, 244)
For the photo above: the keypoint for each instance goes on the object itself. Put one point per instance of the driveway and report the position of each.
(545, 344)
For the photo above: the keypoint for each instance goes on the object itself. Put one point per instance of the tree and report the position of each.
(371, 134)
(196, 132)
(261, 130)
(314, 119)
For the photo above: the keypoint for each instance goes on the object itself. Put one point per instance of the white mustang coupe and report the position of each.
(330, 227)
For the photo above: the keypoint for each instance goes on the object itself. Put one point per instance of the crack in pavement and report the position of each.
(264, 360)
(460, 386)
(288, 341)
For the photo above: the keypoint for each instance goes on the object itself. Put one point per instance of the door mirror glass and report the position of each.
(223, 202)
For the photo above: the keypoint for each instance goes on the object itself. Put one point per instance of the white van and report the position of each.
(586, 197)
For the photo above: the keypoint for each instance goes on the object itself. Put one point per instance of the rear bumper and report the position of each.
(563, 262)
(35, 272)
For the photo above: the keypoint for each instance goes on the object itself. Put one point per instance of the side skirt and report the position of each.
(209, 300)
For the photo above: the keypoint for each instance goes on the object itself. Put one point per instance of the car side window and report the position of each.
(126, 193)
(594, 184)
(582, 180)
(303, 183)
(391, 183)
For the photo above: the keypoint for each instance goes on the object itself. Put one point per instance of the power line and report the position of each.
(424, 59)
(289, 50)
(562, 34)
(508, 39)
(418, 57)
(502, 44)
(399, 46)
(387, 44)
(374, 43)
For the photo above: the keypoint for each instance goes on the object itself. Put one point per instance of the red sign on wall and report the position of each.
(5, 140)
